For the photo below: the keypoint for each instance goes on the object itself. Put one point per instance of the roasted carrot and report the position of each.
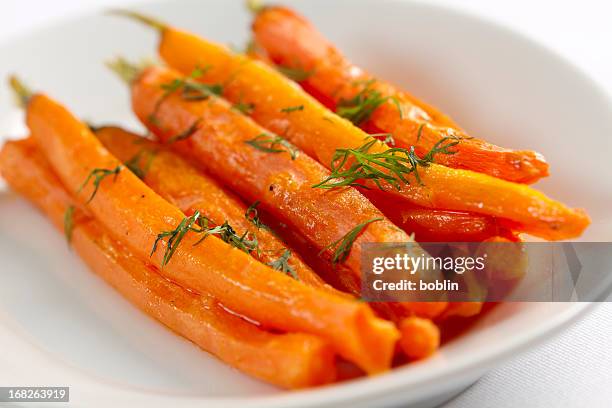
(134, 215)
(433, 225)
(319, 133)
(287, 360)
(281, 180)
(292, 42)
(181, 184)
(420, 337)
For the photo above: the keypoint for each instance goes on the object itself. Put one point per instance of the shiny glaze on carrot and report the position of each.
(319, 133)
(292, 360)
(289, 40)
(183, 185)
(135, 215)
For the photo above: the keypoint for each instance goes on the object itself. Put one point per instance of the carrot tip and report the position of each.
(125, 70)
(147, 20)
(22, 93)
(255, 6)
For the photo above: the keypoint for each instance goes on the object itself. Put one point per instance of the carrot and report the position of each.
(320, 133)
(433, 225)
(181, 184)
(281, 180)
(198, 318)
(292, 42)
(135, 215)
(420, 337)
(287, 360)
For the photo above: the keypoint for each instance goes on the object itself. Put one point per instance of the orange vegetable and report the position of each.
(420, 337)
(290, 41)
(320, 133)
(280, 181)
(135, 215)
(433, 225)
(287, 360)
(181, 184)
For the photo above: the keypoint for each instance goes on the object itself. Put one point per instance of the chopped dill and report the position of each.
(342, 247)
(295, 74)
(391, 166)
(282, 264)
(189, 88)
(200, 225)
(360, 108)
(98, 175)
(140, 163)
(187, 133)
(273, 144)
(252, 215)
(291, 109)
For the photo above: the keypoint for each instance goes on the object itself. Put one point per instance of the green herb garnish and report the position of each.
(187, 133)
(282, 264)
(293, 109)
(69, 223)
(200, 225)
(273, 144)
(252, 215)
(175, 236)
(244, 107)
(295, 74)
(189, 88)
(342, 247)
(360, 108)
(98, 175)
(138, 166)
(246, 242)
(391, 166)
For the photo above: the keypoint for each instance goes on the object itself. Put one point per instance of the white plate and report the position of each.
(61, 325)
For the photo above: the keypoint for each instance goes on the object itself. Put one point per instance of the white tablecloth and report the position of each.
(575, 368)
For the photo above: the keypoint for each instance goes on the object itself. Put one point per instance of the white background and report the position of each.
(573, 369)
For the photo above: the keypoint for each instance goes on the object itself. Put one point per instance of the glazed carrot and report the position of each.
(420, 337)
(433, 225)
(181, 184)
(319, 133)
(292, 42)
(135, 215)
(287, 360)
(281, 181)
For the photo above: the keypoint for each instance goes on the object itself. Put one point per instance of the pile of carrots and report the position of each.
(238, 220)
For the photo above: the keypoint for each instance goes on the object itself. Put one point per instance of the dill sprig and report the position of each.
(360, 108)
(69, 223)
(273, 144)
(391, 166)
(252, 214)
(198, 224)
(246, 242)
(189, 89)
(138, 166)
(295, 74)
(246, 108)
(291, 109)
(175, 236)
(97, 175)
(342, 247)
(282, 264)
(187, 133)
